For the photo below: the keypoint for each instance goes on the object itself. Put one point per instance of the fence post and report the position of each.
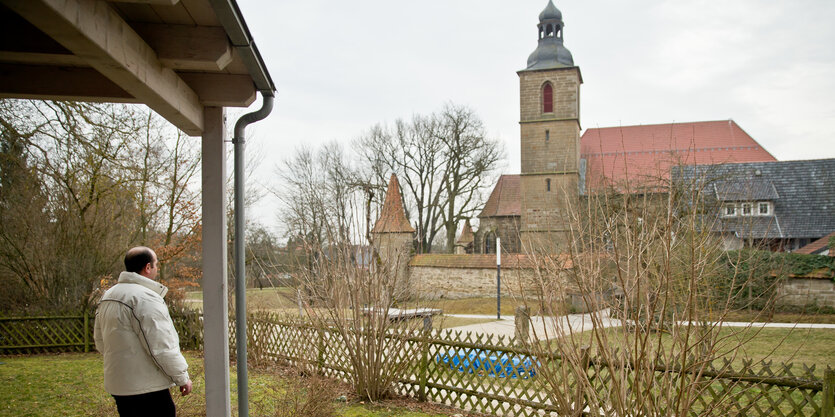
(320, 360)
(423, 373)
(581, 381)
(523, 324)
(86, 331)
(828, 404)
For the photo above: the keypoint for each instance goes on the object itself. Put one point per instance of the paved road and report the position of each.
(582, 322)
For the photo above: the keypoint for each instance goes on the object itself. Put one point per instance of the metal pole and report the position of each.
(498, 278)
(240, 238)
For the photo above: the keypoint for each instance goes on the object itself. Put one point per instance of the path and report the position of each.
(582, 322)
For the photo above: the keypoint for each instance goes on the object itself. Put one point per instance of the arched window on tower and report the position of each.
(549, 30)
(547, 184)
(547, 98)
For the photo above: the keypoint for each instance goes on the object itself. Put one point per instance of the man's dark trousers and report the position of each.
(156, 404)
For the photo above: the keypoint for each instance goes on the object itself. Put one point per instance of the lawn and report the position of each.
(283, 300)
(71, 385)
(797, 346)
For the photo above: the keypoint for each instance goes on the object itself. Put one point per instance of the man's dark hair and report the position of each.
(137, 258)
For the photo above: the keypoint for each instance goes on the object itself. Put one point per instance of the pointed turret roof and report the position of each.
(393, 215)
(467, 235)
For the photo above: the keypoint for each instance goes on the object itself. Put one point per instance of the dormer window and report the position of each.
(729, 210)
(747, 210)
(547, 98)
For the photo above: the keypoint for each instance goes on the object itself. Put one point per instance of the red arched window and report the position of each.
(547, 98)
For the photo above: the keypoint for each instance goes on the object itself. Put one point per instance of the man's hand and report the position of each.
(186, 389)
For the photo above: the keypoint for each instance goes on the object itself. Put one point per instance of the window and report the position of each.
(547, 98)
(547, 184)
(547, 135)
(729, 210)
(764, 208)
(747, 209)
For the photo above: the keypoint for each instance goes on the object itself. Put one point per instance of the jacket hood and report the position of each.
(134, 278)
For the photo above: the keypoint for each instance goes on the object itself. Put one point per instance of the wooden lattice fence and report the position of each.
(462, 369)
(768, 389)
(46, 334)
(43, 334)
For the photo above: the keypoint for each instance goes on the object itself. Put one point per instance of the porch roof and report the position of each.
(176, 56)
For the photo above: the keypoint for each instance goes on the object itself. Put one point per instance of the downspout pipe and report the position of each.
(238, 140)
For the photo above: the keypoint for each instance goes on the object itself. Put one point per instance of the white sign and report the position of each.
(498, 251)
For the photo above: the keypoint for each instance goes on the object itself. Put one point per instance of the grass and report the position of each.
(759, 316)
(797, 346)
(71, 385)
(283, 300)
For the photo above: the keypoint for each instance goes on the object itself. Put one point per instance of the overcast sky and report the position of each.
(341, 67)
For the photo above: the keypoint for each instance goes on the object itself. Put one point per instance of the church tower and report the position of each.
(550, 138)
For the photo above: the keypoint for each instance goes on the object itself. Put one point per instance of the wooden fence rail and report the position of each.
(779, 390)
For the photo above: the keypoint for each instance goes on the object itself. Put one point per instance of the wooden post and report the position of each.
(828, 403)
(582, 399)
(86, 331)
(523, 323)
(320, 359)
(423, 373)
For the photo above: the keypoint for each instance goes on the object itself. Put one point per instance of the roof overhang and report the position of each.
(175, 56)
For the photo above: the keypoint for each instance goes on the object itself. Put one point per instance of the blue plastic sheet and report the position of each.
(486, 362)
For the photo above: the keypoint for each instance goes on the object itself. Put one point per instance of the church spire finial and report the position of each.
(550, 53)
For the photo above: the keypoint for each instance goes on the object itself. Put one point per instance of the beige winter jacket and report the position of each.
(134, 332)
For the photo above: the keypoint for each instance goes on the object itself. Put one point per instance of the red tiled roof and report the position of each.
(818, 245)
(467, 236)
(393, 215)
(509, 261)
(505, 200)
(645, 154)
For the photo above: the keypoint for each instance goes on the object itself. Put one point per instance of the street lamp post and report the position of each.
(498, 278)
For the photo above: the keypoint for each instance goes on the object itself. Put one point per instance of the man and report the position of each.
(136, 336)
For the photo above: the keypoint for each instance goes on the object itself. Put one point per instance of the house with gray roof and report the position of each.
(781, 205)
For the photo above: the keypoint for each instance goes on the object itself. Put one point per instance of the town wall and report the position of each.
(806, 292)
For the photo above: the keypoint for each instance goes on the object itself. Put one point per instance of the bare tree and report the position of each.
(444, 160)
(317, 193)
(111, 177)
(471, 160)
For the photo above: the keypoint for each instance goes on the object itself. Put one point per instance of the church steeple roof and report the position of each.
(550, 52)
(550, 12)
(393, 216)
(467, 235)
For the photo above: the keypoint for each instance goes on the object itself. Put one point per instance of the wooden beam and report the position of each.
(153, 2)
(64, 60)
(93, 31)
(221, 90)
(190, 48)
(59, 83)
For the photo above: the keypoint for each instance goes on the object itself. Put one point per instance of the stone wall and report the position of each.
(437, 276)
(803, 292)
(440, 282)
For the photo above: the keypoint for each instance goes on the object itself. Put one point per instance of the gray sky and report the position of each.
(341, 67)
